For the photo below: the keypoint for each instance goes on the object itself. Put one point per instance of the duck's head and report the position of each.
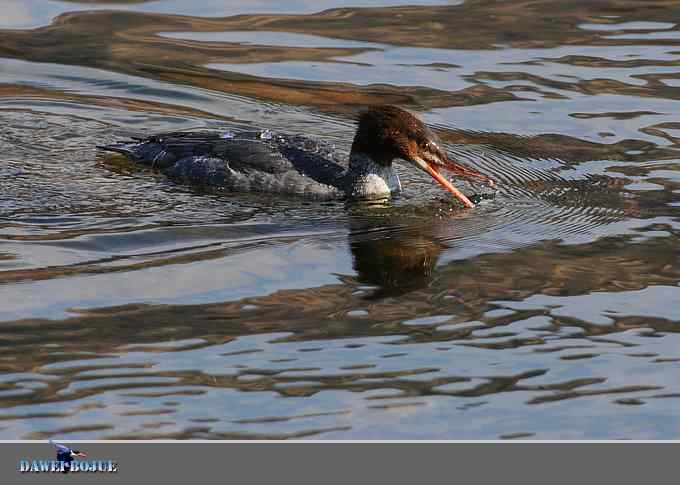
(387, 132)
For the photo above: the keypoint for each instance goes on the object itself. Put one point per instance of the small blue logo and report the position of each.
(66, 455)
(66, 462)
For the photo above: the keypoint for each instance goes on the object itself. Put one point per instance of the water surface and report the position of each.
(134, 307)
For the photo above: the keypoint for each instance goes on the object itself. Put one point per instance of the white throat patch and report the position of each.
(370, 179)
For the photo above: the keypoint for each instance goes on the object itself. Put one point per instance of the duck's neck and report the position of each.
(366, 178)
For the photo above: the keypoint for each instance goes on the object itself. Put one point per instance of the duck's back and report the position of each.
(259, 161)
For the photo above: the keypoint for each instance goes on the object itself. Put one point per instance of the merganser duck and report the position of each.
(291, 164)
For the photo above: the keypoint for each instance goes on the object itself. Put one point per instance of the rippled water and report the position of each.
(134, 307)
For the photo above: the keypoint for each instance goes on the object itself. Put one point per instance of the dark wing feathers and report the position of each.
(243, 160)
(243, 152)
(245, 155)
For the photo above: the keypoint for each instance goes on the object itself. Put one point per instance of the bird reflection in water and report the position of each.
(393, 254)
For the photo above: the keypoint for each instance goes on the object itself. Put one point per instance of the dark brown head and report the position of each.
(387, 132)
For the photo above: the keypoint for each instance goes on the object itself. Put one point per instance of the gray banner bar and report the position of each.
(322, 463)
